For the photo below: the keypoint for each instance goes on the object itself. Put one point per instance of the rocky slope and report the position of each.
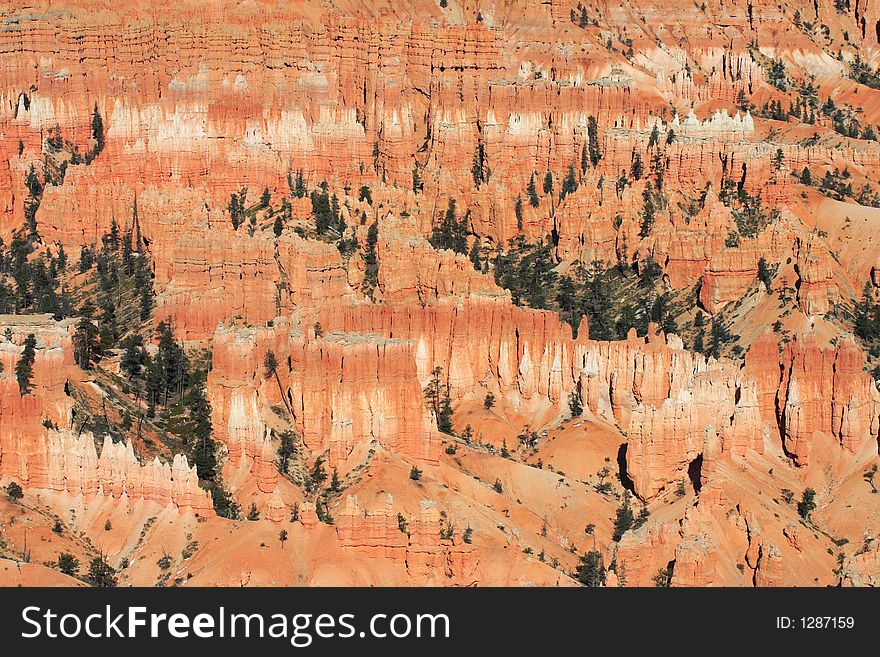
(381, 409)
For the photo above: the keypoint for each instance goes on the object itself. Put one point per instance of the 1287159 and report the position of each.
(815, 622)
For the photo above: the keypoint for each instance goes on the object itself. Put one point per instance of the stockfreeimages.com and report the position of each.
(300, 629)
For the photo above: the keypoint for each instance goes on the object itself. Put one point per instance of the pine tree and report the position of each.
(145, 303)
(548, 182)
(14, 491)
(101, 574)
(24, 368)
(624, 519)
(286, 449)
(371, 261)
(764, 275)
(532, 192)
(132, 355)
(224, 504)
(318, 474)
(807, 504)
(867, 320)
(591, 571)
(236, 208)
(698, 342)
(475, 257)
(450, 233)
(68, 564)
(718, 336)
(637, 168)
(574, 404)
(444, 419)
(569, 184)
(593, 140)
(97, 136)
(654, 139)
(365, 195)
(204, 448)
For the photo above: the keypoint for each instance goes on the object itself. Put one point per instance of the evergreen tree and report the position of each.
(548, 182)
(14, 491)
(527, 271)
(204, 448)
(777, 75)
(101, 574)
(450, 233)
(434, 389)
(133, 355)
(532, 192)
(371, 261)
(68, 564)
(569, 184)
(364, 195)
(637, 168)
(224, 504)
(97, 132)
(593, 140)
(286, 449)
(654, 139)
(444, 419)
(318, 474)
(867, 320)
(145, 302)
(326, 213)
(584, 19)
(698, 342)
(718, 337)
(574, 404)
(591, 571)
(807, 504)
(236, 208)
(24, 368)
(518, 211)
(474, 255)
(764, 275)
(624, 519)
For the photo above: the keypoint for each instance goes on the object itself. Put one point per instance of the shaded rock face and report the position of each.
(423, 105)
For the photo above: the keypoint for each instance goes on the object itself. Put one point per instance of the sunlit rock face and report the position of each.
(421, 424)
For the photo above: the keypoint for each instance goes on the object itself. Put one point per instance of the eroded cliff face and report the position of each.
(670, 141)
(197, 111)
(340, 391)
(44, 447)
